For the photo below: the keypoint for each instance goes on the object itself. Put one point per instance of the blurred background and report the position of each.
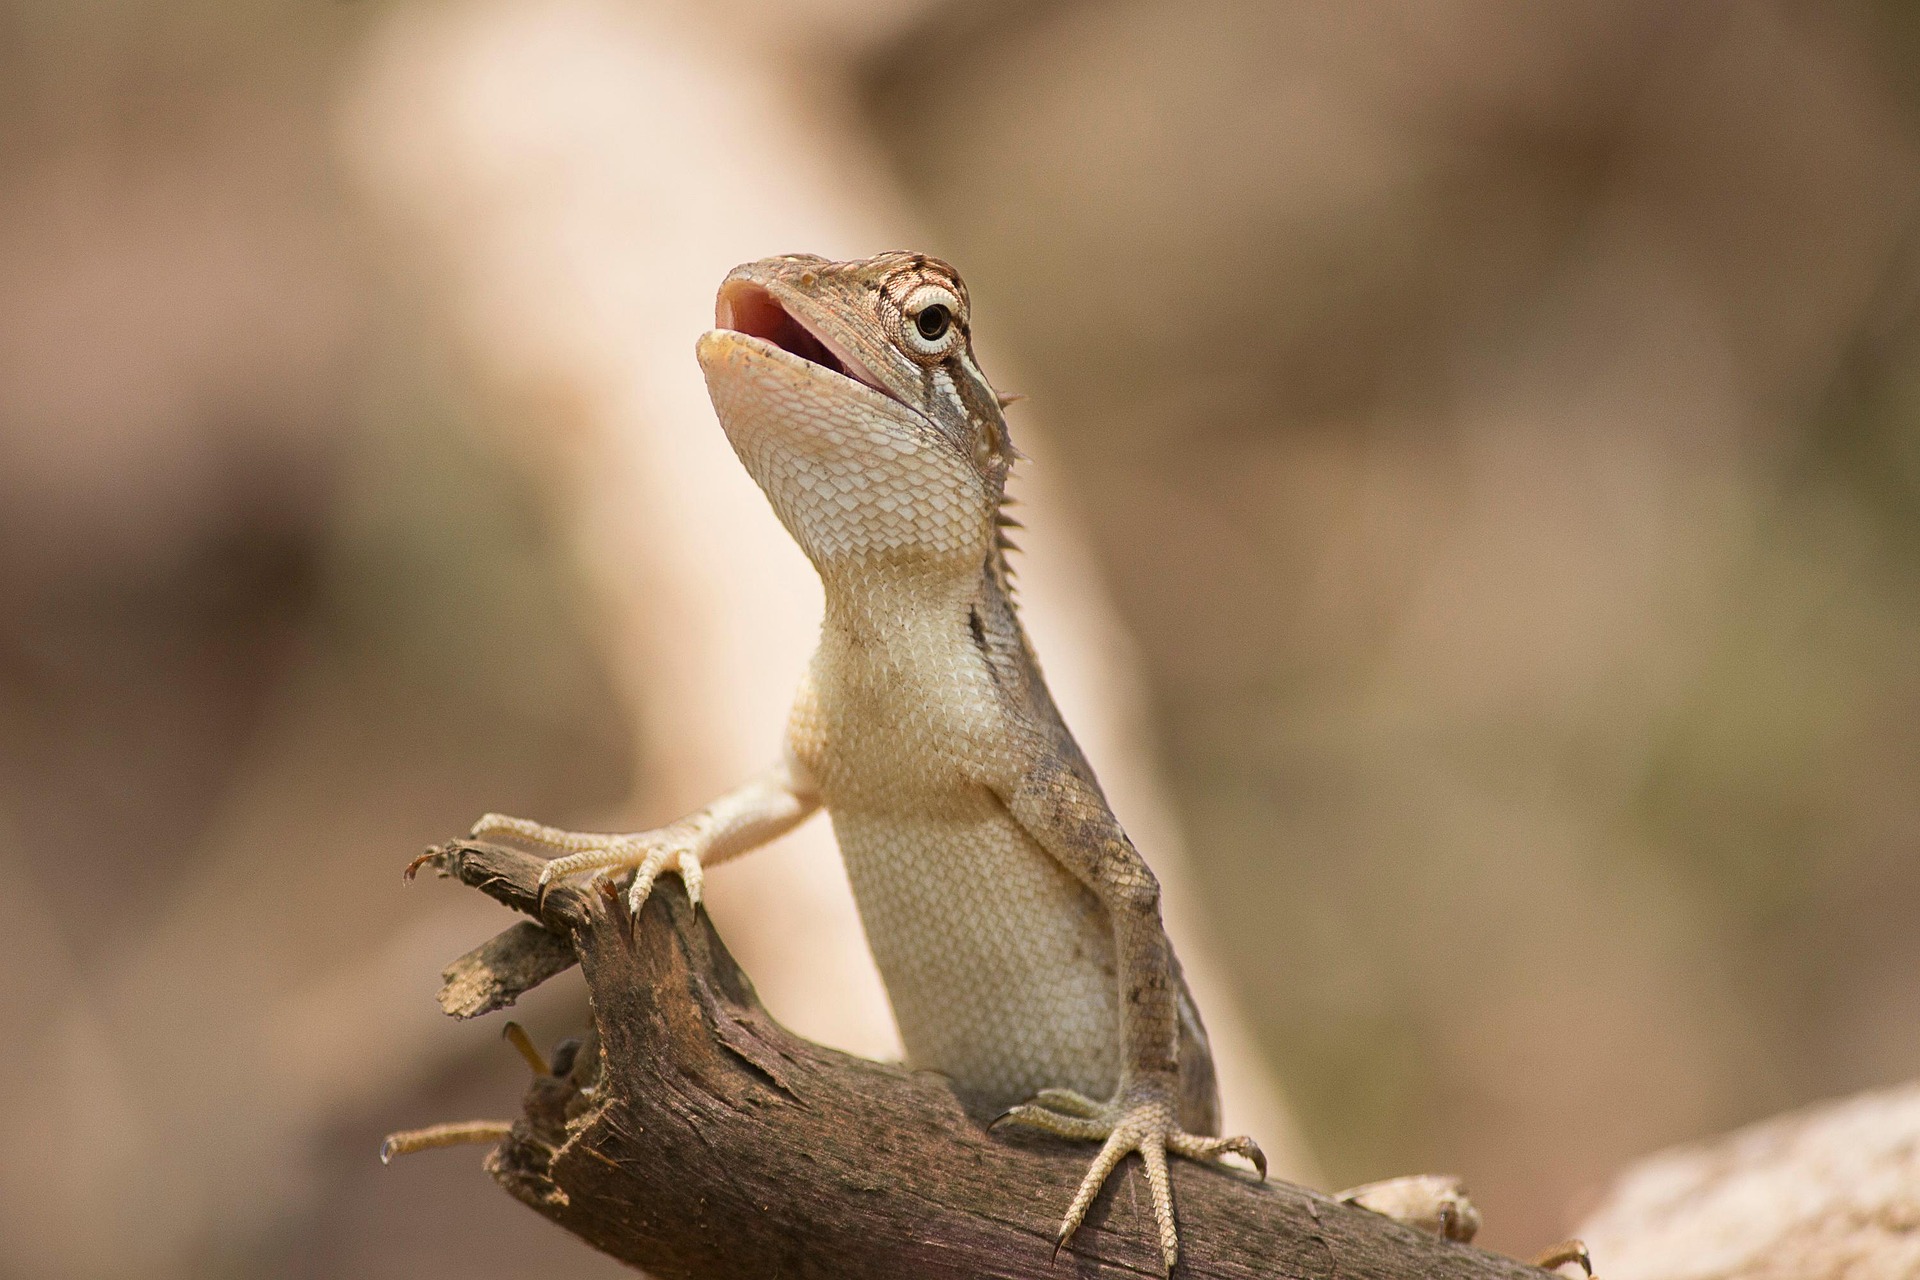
(1482, 439)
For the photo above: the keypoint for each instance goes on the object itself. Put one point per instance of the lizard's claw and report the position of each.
(1141, 1118)
(645, 853)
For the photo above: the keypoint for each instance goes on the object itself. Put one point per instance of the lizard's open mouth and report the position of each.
(745, 307)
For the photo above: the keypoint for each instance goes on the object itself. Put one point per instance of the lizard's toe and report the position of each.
(598, 854)
(1559, 1255)
(1197, 1148)
(592, 863)
(1137, 1131)
(1057, 1123)
(575, 864)
(665, 858)
(553, 839)
(1068, 1103)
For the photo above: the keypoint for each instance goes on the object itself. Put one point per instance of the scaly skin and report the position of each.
(1016, 927)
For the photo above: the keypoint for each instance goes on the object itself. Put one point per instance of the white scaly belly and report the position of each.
(999, 965)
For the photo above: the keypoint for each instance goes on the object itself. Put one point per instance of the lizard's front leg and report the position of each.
(739, 821)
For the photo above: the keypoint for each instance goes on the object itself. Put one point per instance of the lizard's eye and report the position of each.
(932, 320)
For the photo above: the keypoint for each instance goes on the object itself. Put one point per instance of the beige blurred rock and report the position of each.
(1828, 1193)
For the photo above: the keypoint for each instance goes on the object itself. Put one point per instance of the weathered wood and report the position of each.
(702, 1139)
(502, 969)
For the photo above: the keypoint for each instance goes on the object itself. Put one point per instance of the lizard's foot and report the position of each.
(1433, 1202)
(1141, 1118)
(594, 853)
(1437, 1203)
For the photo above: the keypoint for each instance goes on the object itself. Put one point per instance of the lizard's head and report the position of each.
(850, 391)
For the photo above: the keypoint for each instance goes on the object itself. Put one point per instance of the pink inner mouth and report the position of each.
(747, 308)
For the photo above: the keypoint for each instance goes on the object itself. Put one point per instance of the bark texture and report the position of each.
(499, 971)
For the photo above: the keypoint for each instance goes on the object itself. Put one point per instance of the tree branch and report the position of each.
(693, 1136)
(499, 971)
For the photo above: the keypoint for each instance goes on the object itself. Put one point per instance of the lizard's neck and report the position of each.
(873, 604)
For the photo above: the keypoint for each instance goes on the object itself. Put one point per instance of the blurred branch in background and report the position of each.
(241, 519)
(586, 176)
(1498, 426)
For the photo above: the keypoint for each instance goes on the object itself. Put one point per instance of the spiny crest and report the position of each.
(1001, 561)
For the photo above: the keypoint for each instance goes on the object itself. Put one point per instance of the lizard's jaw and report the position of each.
(746, 307)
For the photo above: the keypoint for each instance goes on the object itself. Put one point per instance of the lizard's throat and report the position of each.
(863, 485)
(861, 499)
(863, 515)
(874, 603)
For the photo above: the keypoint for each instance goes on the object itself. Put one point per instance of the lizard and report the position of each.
(1015, 926)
